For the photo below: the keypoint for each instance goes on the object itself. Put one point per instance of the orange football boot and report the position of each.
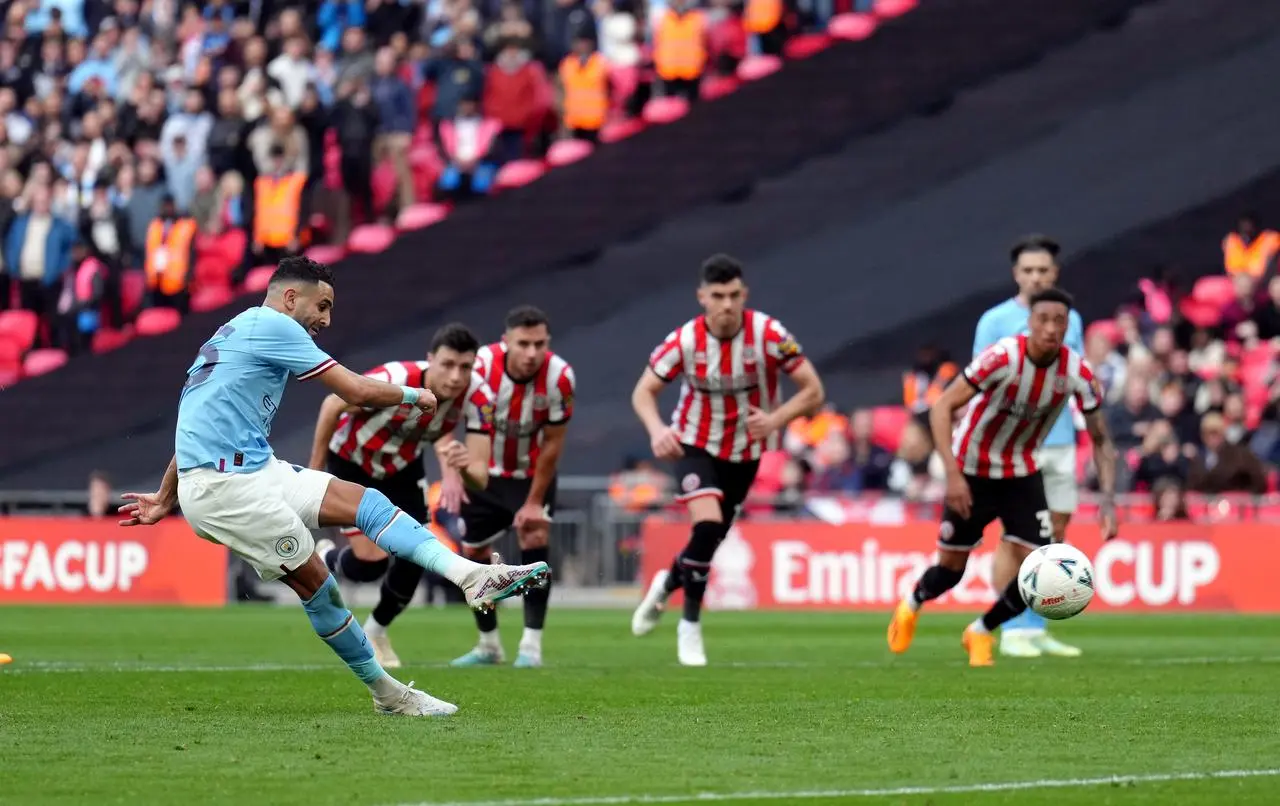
(980, 646)
(902, 628)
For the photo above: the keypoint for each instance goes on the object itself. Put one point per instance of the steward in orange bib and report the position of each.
(171, 252)
(584, 77)
(766, 20)
(680, 49)
(1247, 251)
(278, 210)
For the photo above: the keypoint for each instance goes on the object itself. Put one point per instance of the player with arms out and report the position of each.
(235, 492)
(730, 361)
(1014, 391)
(533, 390)
(382, 449)
(1035, 268)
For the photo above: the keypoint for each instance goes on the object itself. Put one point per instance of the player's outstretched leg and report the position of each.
(402, 536)
(654, 604)
(978, 640)
(935, 581)
(695, 568)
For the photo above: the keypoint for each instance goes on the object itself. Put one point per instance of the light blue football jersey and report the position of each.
(234, 389)
(1009, 318)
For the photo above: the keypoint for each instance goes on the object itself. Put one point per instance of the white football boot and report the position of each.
(1049, 645)
(409, 701)
(689, 644)
(489, 584)
(1019, 644)
(382, 651)
(649, 613)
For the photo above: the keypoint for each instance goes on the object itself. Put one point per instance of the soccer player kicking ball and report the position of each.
(730, 361)
(1035, 267)
(382, 449)
(233, 490)
(1014, 390)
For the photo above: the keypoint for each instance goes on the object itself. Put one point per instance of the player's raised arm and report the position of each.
(366, 392)
(331, 410)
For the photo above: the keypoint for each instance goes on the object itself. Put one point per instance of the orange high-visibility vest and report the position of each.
(169, 255)
(1253, 258)
(679, 50)
(586, 91)
(433, 506)
(762, 16)
(276, 203)
(919, 392)
(811, 431)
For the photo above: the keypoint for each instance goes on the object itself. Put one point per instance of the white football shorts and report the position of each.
(265, 516)
(1058, 466)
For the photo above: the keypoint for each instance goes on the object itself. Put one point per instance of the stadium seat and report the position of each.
(40, 362)
(620, 130)
(623, 82)
(421, 216)
(887, 423)
(518, 173)
(1200, 314)
(852, 27)
(9, 375)
(133, 287)
(665, 110)
(754, 68)
(154, 321)
(19, 327)
(258, 278)
(888, 9)
(1217, 290)
(714, 87)
(1156, 299)
(210, 298)
(326, 253)
(567, 152)
(371, 239)
(384, 184)
(803, 46)
(1106, 327)
(105, 339)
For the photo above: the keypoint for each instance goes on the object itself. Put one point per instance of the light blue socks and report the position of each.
(400, 535)
(1028, 620)
(339, 629)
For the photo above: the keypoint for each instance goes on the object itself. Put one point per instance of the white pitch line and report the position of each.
(829, 794)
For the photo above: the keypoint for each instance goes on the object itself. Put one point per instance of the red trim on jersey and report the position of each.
(318, 370)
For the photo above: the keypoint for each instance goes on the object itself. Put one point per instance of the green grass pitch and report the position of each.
(244, 705)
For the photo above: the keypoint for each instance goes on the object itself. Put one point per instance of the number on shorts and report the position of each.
(209, 354)
(1046, 524)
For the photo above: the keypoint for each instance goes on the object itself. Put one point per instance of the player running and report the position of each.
(729, 361)
(235, 492)
(533, 390)
(382, 449)
(1035, 267)
(1014, 390)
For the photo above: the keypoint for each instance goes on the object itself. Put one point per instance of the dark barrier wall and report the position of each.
(912, 65)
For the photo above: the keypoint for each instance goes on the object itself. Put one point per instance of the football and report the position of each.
(1056, 581)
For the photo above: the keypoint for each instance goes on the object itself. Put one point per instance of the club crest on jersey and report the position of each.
(486, 414)
(690, 482)
(286, 547)
(788, 348)
(1059, 385)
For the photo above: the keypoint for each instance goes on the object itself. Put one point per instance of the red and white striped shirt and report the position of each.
(384, 441)
(523, 409)
(721, 379)
(1016, 404)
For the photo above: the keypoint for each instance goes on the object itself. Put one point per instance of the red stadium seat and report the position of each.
(106, 339)
(852, 27)
(39, 362)
(1200, 314)
(20, 327)
(421, 216)
(1217, 290)
(754, 68)
(620, 130)
(154, 321)
(384, 185)
(326, 253)
(888, 9)
(714, 87)
(133, 287)
(1106, 327)
(210, 298)
(665, 110)
(803, 46)
(258, 278)
(1156, 299)
(518, 173)
(567, 152)
(9, 375)
(887, 423)
(371, 239)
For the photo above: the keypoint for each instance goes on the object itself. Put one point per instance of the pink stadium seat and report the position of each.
(9, 375)
(210, 298)
(665, 110)
(887, 9)
(518, 173)
(805, 45)
(887, 423)
(258, 278)
(623, 81)
(1216, 289)
(106, 339)
(421, 216)
(1106, 327)
(154, 321)
(19, 327)
(39, 362)
(326, 253)
(852, 27)
(371, 238)
(133, 287)
(754, 68)
(714, 87)
(1156, 299)
(620, 130)
(384, 185)
(1200, 314)
(567, 152)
